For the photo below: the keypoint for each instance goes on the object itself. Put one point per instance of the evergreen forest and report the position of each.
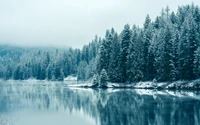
(164, 49)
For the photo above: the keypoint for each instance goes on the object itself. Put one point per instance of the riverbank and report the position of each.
(177, 85)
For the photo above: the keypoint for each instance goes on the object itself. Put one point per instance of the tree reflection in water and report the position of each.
(107, 106)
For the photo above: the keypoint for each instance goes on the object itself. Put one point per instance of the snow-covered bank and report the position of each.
(178, 85)
(71, 78)
(109, 85)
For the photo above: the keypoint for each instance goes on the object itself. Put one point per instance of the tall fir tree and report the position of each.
(147, 37)
(113, 70)
(126, 40)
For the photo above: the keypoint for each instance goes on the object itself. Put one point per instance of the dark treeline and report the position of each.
(166, 49)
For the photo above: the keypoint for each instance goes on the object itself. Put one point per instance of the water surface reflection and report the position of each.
(52, 104)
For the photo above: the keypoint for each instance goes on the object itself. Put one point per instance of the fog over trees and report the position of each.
(165, 49)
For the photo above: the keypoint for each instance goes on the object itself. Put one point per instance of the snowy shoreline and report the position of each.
(177, 85)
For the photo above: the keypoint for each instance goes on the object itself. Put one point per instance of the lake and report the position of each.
(51, 103)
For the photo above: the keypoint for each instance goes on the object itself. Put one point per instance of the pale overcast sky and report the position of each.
(73, 23)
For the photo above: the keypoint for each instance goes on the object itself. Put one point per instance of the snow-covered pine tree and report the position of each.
(102, 58)
(168, 52)
(158, 41)
(135, 57)
(192, 40)
(113, 70)
(126, 40)
(196, 62)
(103, 78)
(95, 79)
(174, 56)
(132, 56)
(148, 32)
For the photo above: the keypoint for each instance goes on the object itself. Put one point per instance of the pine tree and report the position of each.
(102, 58)
(187, 48)
(126, 40)
(48, 72)
(147, 22)
(156, 23)
(168, 60)
(103, 78)
(151, 59)
(134, 62)
(196, 62)
(78, 58)
(174, 57)
(81, 73)
(107, 44)
(173, 18)
(95, 79)
(158, 47)
(192, 41)
(16, 73)
(147, 37)
(113, 70)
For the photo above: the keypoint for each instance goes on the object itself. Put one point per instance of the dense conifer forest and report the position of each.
(164, 49)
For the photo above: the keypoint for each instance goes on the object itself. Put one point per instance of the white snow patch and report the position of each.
(145, 85)
(71, 78)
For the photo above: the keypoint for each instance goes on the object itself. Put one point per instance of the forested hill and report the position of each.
(165, 49)
(22, 63)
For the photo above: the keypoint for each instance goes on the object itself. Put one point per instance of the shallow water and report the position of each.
(50, 103)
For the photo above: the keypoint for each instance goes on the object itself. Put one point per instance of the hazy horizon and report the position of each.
(64, 23)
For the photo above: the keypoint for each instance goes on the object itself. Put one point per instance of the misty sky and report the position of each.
(73, 23)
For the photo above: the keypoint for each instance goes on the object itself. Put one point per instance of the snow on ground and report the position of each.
(194, 84)
(177, 85)
(70, 78)
(145, 85)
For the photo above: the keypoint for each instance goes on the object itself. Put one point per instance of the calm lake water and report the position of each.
(32, 103)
